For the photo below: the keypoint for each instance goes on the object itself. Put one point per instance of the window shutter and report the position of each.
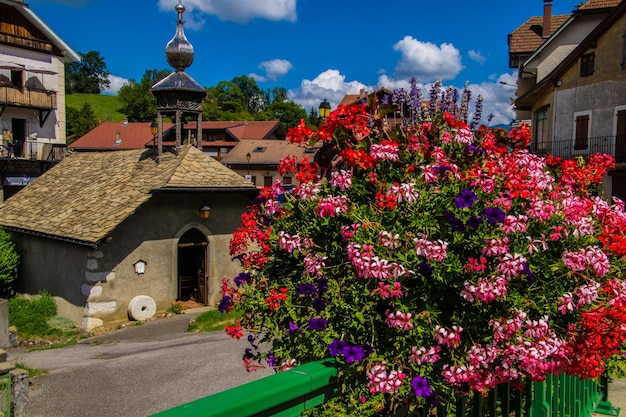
(582, 127)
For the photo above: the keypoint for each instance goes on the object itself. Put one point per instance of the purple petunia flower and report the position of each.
(426, 270)
(422, 389)
(351, 351)
(319, 304)
(456, 223)
(242, 278)
(527, 271)
(493, 215)
(465, 199)
(474, 222)
(336, 346)
(272, 361)
(224, 304)
(322, 285)
(306, 289)
(293, 328)
(317, 323)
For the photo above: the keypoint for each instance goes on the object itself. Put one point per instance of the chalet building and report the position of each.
(32, 95)
(577, 99)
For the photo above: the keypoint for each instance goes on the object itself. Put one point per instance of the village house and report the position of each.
(32, 96)
(576, 102)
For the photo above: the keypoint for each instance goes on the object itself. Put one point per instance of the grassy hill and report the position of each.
(105, 107)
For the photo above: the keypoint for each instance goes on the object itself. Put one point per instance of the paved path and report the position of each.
(135, 371)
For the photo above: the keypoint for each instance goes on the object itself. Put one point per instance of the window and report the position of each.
(259, 149)
(287, 180)
(620, 134)
(587, 64)
(267, 181)
(17, 78)
(581, 131)
(541, 128)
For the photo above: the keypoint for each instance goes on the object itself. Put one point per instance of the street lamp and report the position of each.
(154, 129)
(248, 156)
(324, 109)
(505, 83)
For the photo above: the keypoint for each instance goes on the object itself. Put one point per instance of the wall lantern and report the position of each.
(204, 212)
(324, 109)
(154, 128)
(140, 267)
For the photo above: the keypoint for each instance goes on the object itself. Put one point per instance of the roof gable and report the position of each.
(88, 194)
(527, 38)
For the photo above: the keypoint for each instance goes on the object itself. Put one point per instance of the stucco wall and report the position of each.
(95, 285)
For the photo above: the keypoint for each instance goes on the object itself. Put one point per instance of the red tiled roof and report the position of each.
(599, 4)
(136, 135)
(526, 39)
(104, 136)
(248, 130)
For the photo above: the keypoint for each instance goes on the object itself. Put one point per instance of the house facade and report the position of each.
(579, 107)
(118, 235)
(32, 93)
(257, 160)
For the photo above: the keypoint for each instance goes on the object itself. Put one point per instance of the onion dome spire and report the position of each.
(178, 51)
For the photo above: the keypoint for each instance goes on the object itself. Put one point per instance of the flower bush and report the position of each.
(431, 258)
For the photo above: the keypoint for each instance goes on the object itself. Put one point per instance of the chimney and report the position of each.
(547, 18)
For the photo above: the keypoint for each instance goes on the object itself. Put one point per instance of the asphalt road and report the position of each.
(135, 371)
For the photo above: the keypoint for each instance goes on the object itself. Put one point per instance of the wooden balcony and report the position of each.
(27, 97)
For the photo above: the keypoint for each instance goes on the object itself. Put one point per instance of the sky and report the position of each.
(316, 49)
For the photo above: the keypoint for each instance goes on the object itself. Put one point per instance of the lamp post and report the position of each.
(248, 156)
(154, 129)
(324, 109)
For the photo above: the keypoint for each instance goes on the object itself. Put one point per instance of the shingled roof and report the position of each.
(527, 38)
(87, 195)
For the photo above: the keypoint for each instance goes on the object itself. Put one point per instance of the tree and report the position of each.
(139, 104)
(254, 100)
(9, 262)
(89, 75)
(79, 122)
(289, 113)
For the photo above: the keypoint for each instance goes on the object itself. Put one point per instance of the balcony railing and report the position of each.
(612, 145)
(33, 150)
(28, 97)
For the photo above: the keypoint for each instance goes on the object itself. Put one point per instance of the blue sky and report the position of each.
(316, 49)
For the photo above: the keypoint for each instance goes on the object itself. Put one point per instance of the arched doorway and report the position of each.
(192, 266)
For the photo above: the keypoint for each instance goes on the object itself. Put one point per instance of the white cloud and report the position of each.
(477, 56)
(426, 61)
(330, 85)
(240, 11)
(258, 78)
(115, 84)
(496, 98)
(276, 68)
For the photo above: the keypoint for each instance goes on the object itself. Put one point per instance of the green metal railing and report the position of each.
(289, 393)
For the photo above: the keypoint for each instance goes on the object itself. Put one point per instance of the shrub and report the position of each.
(31, 317)
(9, 262)
(431, 260)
